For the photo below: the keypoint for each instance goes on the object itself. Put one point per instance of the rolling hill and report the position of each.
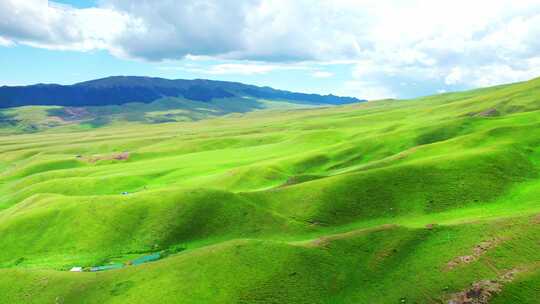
(432, 200)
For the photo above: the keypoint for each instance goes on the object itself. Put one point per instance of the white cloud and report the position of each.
(5, 42)
(495, 74)
(455, 76)
(388, 42)
(322, 74)
(49, 25)
(170, 29)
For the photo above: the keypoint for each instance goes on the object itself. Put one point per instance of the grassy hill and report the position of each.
(432, 200)
(32, 119)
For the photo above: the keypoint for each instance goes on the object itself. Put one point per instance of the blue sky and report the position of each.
(79, 3)
(28, 65)
(361, 48)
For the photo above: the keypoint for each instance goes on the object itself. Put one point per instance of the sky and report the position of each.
(366, 49)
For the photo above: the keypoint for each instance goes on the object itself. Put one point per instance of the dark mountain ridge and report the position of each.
(119, 90)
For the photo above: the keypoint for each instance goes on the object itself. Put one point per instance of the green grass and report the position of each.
(321, 205)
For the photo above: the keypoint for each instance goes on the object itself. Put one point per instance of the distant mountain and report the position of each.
(120, 90)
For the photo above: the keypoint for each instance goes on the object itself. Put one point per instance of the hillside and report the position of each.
(141, 99)
(432, 200)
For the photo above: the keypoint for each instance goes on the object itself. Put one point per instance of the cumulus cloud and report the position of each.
(47, 24)
(171, 30)
(493, 74)
(455, 44)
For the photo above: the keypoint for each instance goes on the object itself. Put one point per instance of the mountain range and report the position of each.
(118, 90)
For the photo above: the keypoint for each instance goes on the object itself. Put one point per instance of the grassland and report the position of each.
(32, 119)
(409, 201)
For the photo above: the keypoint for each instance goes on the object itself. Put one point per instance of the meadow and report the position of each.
(431, 200)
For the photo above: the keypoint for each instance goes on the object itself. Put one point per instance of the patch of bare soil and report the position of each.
(478, 251)
(75, 113)
(321, 242)
(314, 223)
(488, 113)
(95, 158)
(481, 292)
(431, 226)
(536, 219)
(121, 156)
